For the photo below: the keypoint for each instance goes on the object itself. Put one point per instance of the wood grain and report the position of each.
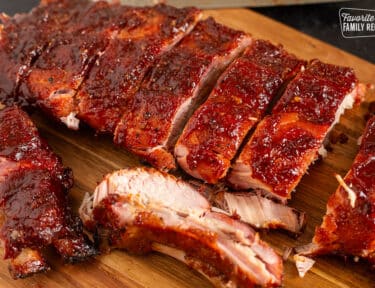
(92, 156)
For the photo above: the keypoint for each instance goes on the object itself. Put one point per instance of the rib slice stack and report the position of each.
(242, 96)
(128, 39)
(117, 74)
(285, 143)
(34, 207)
(178, 83)
(143, 210)
(140, 73)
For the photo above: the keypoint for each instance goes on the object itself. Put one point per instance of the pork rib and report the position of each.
(214, 133)
(118, 73)
(252, 208)
(142, 210)
(25, 36)
(33, 199)
(56, 75)
(288, 141)
(259, 211)
(348, 227)
(178, 83)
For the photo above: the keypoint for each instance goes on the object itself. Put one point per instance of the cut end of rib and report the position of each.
(240, 178)
(303, 264)
(262, 212)
(27, 263)
(180, 224)
(161, 159)
(210, 167)
(71, 121)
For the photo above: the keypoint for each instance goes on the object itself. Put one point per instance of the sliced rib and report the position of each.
(244, 92)
(259, 211)
(25, 36)
(33, 199)
(20, 141)
(178, 83)
(142, 210)
(348, 227)
(118, 73)
(57, 74)
(285, 143)
(253, 208)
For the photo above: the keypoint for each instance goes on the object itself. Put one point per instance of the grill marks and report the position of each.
(33, 199)
(118, 73)
(179, 82)
(244, 92)
(287, 142)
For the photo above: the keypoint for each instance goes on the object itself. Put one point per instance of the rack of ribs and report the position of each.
(240, 99)
(24, 37)
(103, 56)
(285, 143)
(143, 210)
(141, 74)
(348, 227)
(33, 199)
(178, 83)
(117, 75)
(56, 75)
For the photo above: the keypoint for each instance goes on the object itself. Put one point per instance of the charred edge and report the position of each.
(17, 274)
(23, 74)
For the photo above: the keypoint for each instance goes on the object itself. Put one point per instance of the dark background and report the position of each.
(318, 20)
(322, 21)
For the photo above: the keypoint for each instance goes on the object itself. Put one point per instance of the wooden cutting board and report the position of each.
(92, 156)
